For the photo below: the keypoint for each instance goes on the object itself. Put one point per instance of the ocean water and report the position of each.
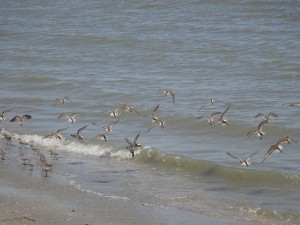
(103, 54)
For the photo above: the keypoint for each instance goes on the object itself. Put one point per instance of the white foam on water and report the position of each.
(101, 150)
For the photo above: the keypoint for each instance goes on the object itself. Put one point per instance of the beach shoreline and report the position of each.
(28, 197)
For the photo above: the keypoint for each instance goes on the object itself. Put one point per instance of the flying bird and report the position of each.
(21, 119)
(243, 162)
(2, 114)
(169, 92)
(71, 117)
(133, 145)
(211, 101)
(108, 128)
(260, 133)
(209, 119)
(78, 134)
(62, 100)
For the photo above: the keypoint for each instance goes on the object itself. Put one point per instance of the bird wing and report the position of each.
(228, 153)
(15, 118)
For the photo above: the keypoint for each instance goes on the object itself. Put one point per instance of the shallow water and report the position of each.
(104, 54)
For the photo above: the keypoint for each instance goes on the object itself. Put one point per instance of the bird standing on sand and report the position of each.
(21, 119)
(6, 136)
(24, 158)
(2, 153)
(46, 168)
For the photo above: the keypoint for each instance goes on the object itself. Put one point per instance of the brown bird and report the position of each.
(260, 133)
(71, 117)
(46, 168)
(108, 128)
(210, 118)
(2, 114)
(78, 134)
(56, 134)
(62, 100)
(6, 136)
(133, 145)
(155, 121)
(2, 153)
(101, 137)
(273, 148)
(23, 158)
(222, 119)
(169, 92)
(211, 101)
(243, 162)
(21, 119)
(278, 146)
(266, 117)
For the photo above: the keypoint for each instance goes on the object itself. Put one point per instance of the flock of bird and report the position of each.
(132, 146)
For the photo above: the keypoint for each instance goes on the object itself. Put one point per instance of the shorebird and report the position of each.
(211, 101)
(21, 119)
(115, 112)
(46, 168)
(2, 114)
(62, 100)
(278, 146)
(6, 136)
(210, 118)
(109, 127)
(2, 153)
(155, 121)
(258, 130)
(133, 145)
(56, 134)
(169, 92)
(292, 104)
(30, 163)
(266, 117)
(128, 108)
(22, 143)
(53, 153)
(78, 134)
(273, 148)
(222, 119)
(101, 137)
(23, 158)
(71, 117)
(243, 162)
(286, 140)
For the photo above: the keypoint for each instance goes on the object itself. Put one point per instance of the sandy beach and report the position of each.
(28, 197)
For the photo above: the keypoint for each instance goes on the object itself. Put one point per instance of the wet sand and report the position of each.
(27, 197)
